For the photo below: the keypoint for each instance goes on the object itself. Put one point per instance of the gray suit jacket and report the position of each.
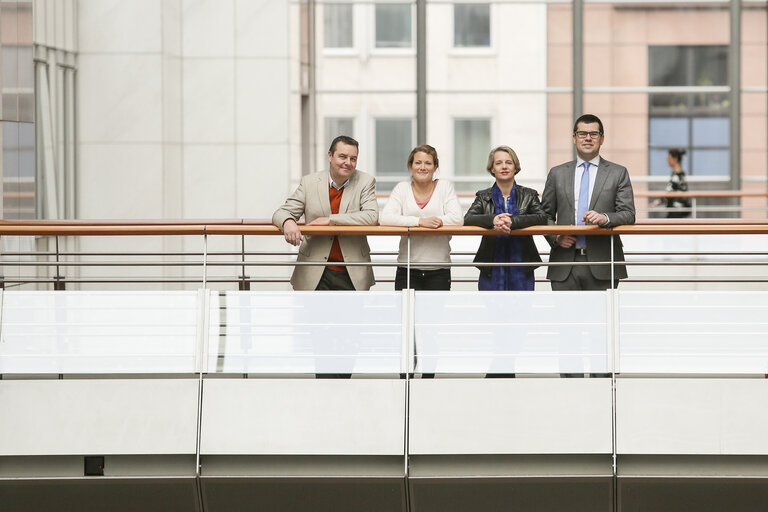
(358, 207)
(612, 196)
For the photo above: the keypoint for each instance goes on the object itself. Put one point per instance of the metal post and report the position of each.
(205, 260)
(734, 78)
(578, 60)
(243, 285)
(58, 279)
(421, 71)
(408, 263)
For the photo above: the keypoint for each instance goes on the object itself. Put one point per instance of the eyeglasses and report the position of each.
(583, 135)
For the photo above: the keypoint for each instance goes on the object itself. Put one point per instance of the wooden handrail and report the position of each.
(660, 193)
(139, 228)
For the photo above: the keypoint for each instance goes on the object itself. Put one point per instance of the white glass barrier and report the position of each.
(693, 332)
(98, 332)
(511, 332)
(309, 332)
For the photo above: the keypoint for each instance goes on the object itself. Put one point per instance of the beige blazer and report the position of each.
(358, 207)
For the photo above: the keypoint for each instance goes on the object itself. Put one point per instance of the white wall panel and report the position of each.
(262, 101)
(120, 181)
(209, 181)
(99, 417)
(120, 98)
(510, 416)
(208, 28)
(209, 102)
(261, 29)
(303, 417)
(256, 188)
(117, 26)
(692, 416)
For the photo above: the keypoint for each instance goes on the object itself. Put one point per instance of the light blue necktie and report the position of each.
(581, 240)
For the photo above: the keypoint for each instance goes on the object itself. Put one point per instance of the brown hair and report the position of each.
(423, 148)
(505, 149)
(344, 139)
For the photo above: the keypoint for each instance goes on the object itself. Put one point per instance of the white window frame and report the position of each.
(491, 49)
(374, 50)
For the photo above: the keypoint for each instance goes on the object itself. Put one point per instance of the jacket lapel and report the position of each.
(570, 176)
(346, 196)
(602, 175)
(323, 197)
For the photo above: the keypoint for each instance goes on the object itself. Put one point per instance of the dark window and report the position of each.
(471, 25)
(393, 26)
(696, 122)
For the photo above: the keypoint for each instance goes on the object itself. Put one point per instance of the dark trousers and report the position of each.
(335, 280)
(438, 279)
(581, 278)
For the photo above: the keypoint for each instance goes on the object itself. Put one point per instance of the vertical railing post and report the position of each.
(58, 279)
(243, 284)
(407, 262)
(205, 260)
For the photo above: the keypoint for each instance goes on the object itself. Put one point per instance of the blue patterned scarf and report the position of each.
(508, 249)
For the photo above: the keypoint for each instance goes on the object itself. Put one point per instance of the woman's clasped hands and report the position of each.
(503, 222)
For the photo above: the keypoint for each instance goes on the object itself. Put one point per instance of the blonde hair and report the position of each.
(505, 149)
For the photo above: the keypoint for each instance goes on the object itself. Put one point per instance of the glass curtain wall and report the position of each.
(505, 72)
(18, 115)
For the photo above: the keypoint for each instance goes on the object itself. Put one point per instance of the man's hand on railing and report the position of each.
(430, 222)
(565, 241)
(592, 217)
(292, 232)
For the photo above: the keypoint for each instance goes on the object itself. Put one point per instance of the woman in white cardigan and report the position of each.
(426, 202)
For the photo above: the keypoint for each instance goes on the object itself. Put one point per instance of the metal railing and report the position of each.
(226, 252)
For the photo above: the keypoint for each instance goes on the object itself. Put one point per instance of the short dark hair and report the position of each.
(588, 119)
(344, 139)
(677, 154)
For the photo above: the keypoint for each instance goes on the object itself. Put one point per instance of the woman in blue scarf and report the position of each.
(504, 207)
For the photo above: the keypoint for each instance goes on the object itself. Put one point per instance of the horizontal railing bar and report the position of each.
(671, 228)
(439, 264)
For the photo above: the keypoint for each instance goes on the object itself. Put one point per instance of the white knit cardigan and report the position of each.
(401, 210)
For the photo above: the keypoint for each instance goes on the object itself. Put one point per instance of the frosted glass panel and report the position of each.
(693, 332)
(99, 332)
(511, 332)
(309, 332)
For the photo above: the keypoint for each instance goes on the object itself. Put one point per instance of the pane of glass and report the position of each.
(471, 25)
(511, 332)
(666, 66)
(337, 25)
(710, 65)
(335, 126)
(394, 140)
(669, 132)
(393, 26)
(710, 162)
(664, 332)
(472, 142)
(99, 332)
(279, 332)
(657, 165)
(711, 131)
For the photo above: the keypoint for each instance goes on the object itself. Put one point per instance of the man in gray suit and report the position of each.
(589, 190)
(341, 196)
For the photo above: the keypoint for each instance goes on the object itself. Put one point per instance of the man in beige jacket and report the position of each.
(341, 196)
